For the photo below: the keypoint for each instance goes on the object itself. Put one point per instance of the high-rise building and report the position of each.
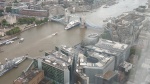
(119, 51)
(55, 67)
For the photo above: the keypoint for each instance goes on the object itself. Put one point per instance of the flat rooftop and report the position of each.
(69, 50)
(29, 75)
(132, 16)
(108, 75)
(45, 81)
(95, 60)
(109, 47)
(14, 73)
(58, 59)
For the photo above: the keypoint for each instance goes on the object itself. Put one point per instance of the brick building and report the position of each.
(30, 77)
(32, 12)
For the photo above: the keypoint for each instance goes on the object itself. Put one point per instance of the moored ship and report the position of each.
(10, 64)
(72, 24)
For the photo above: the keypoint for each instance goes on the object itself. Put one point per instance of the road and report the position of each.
(141, 67)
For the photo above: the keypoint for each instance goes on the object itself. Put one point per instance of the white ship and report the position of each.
(72, 24)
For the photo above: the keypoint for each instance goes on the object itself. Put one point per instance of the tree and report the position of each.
(45, 19)
(13, 31)
(4, 22)
(89, 1)
(1, 12)
(106, 35)
(26, 20)
(15, 1)
(132, 51)
(8, 9)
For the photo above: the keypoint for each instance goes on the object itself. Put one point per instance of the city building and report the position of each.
(99, 56)
(30, 77)
(119, 51)
(27, 1)
(65, 50)
(126, 27)
(82, 78)
(56, 10)
(55, 67)
(1, 7)
(126, 66)
(107, 78)
(96, 63)
(47, 2)
(16, 9)
(69, 65)
(32, 12)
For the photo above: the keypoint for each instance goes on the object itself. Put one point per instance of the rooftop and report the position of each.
(108, 75)
(45, 81)
(95, 60)
(19, 7)
(27, 76)
(108, 47)
(83, 76)
(126, 65)
(67, 49)
(58, 60)
(131, 17)
(34, 10)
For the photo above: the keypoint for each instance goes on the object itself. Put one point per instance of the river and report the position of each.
(39, 39)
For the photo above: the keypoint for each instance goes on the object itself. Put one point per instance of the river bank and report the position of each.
(40, 38)
(23, 28)
(95, 5)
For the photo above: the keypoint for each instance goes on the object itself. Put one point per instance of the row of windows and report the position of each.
(53, 73)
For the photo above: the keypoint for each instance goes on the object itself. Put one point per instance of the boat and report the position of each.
(72, 24)
(10, 64)
(19, 60)
(21, 40)
(54, 34)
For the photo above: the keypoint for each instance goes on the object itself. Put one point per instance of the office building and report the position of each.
(55, 67)
(118, 50)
